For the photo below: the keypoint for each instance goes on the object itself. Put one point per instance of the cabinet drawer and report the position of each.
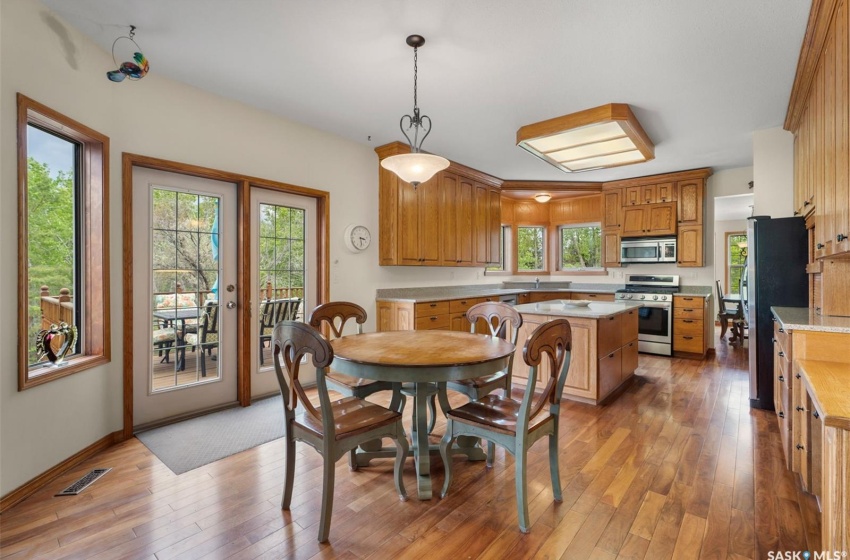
(783, 339)
(433, 322)
(629, 358)
(685, 312)
(687, 343)
(432, 308)
(608, 334)
(610, 372)
(689, 301)
(628, 326)
(461, 305)
(591, 297)
(691, 327)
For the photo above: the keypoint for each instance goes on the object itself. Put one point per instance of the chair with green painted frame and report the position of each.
(332, 429)
(516, 425)
(504, 322)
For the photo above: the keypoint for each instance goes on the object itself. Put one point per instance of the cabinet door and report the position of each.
(633, 221)
(611, 245)
(458, 322)
(610, 372)
(649, 194)
(521, 370)
(480, 212)
(581, 377)
(465, 227)
(429, 221)
(666, 192)
(629, 359)
(690, 202)
(494, 226)
(408, 224)
(386, 316)
(841, 194)
(611, 217)
(689, 246)
(450, 236)
(661, 219)
(631, 196)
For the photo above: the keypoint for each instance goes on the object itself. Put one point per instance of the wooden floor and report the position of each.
(677, 467)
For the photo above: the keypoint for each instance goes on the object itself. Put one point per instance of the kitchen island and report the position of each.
(604, 346)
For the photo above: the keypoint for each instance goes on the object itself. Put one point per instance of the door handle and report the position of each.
(230, 305)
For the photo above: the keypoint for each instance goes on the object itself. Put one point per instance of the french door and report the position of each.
(283, 258)
(184, 295)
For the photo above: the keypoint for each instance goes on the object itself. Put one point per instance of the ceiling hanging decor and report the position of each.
(605, 136)
(417, 166)
(135, 69)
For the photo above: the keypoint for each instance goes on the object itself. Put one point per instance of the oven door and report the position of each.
(655, 323)
(638, 251)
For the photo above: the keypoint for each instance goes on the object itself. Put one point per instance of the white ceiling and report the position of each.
(736, 207)
(700, 76)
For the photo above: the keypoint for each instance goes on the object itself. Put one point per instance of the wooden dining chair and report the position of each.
(504, 322)
(516, 425)
(724, 315)
(334, 428)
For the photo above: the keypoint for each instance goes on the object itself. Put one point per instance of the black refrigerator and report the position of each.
(776, 276)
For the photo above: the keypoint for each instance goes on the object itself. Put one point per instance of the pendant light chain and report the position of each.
(415, 78)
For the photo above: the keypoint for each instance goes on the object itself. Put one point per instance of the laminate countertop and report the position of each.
(564, 308)
(805, 319)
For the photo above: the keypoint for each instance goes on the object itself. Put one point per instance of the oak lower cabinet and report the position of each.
(689, 246)
(604, 355)
(428, 315)
(692, 325)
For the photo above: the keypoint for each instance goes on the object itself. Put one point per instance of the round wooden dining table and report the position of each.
(422, 357)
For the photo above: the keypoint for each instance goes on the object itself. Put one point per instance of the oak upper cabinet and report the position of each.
(419, 222)
(632, 196)
(690, 194)
(648, 194)
(454, 219)
(611, 217)
(611, 248)
(649, 220)
(689, 246)
(611, 200)
(665, 192)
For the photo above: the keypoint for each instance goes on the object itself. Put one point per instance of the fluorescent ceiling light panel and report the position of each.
(606, 136)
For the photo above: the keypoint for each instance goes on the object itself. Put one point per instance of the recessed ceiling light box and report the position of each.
(605, 136)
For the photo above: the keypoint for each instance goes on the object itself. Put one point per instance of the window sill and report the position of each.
(580, 273)
(74, 365)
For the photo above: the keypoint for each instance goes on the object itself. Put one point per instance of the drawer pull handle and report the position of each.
(687, 320)
(688, 310)
(800, 447)
(610, 318)
(798, 376)
(688, 337)
(781, 329)
(781, 414)
(819, 245)
(782, 379)
(815, 414)
(800, 409)
(781, 354)
(433, 304)
(433, 318)
(840, 237)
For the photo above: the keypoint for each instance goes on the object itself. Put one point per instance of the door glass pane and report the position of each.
(282, 271)
(184, 301)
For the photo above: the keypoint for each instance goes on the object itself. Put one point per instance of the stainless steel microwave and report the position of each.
(648, 250)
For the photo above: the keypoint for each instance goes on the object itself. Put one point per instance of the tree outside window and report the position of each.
(531, 248)
(581, 247)
(736, 260)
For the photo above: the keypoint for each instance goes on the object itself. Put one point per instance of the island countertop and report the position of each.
(561, 308)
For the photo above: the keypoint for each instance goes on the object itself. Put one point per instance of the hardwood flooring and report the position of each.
(678, 466)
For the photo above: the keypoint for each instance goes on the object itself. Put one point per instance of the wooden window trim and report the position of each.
(94, 172)
(556, 250)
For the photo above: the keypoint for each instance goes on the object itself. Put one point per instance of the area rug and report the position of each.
(193, 443)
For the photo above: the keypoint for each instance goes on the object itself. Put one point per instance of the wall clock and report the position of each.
(357, 238)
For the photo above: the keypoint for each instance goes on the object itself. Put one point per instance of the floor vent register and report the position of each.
(86, 481)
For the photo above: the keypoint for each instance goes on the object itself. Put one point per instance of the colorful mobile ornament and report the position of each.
(134, 70)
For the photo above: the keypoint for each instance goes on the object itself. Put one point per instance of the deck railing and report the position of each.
(56, 309)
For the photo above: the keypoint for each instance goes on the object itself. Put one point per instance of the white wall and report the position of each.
(155, 117)
(773, 172)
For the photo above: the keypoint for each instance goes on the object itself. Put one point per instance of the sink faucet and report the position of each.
(536, 283)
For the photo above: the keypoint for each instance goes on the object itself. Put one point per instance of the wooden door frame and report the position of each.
(726, 256)
(244, 184)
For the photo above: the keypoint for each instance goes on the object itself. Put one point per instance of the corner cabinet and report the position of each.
(690, 240)
(453, 219)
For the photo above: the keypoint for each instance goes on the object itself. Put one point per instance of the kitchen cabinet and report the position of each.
(647, 220)
(692, 325)
(612, 209)
(453, 219)
(611, 229)
(449, 314)
(689, 246)
(604, 355)
(690, 202)
(611, 248)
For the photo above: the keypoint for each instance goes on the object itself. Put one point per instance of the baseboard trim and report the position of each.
(19, 494)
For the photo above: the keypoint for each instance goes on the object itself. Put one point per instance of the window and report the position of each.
(581, 247)
(736, 260)
(531, 248)
(504, 240)
(62, 242)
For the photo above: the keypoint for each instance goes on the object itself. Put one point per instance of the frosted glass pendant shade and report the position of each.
(415, 168)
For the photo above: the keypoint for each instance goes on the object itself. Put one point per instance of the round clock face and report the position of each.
(357, 238)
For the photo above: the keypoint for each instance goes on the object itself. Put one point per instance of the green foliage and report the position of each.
(50, 239)
(737, 261)
(530, 248)
(581, 247)
(282, 248)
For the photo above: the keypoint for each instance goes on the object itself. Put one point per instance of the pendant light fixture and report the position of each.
(417, 166)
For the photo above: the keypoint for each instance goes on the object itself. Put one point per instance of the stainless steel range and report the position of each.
(655, 319)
